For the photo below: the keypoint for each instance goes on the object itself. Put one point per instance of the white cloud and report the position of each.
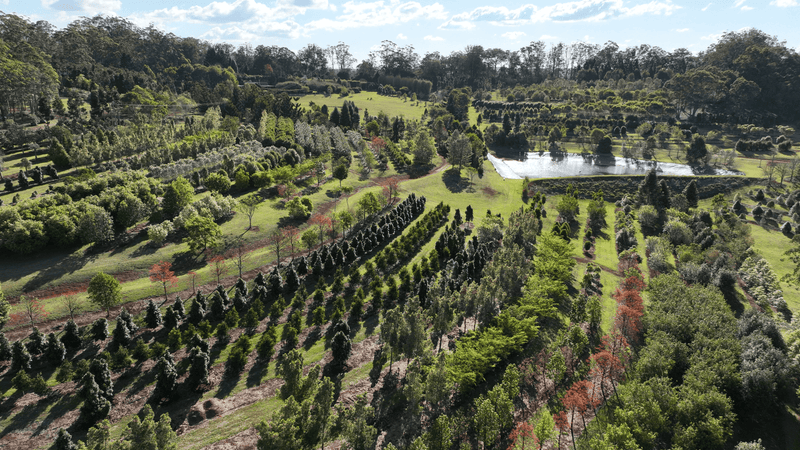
(707, 6)
(682, 30)
(747, 8)
(402, 36)
(513, 35)
(238, 20)
(739, 3)
(90, 7)
(222, 12)
(783, 3)
(332, 7)
(433, 38)
(711, 37)
(573, 11)
(378, 13)
(547, 37)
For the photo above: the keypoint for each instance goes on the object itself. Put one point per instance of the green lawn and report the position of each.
(372, 102)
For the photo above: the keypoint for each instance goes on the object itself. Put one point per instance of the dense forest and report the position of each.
(207, 258)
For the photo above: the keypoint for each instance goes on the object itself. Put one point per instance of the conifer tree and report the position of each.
(71, 337)
(102, 376)
(64, 441)
(55, 350)
(166, 378)
(171, 318)
(20, 358)
(198, 371)
(5, 348)
(100, 329)
(95, 405)
(153, 316)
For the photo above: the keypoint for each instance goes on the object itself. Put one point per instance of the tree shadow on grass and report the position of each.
(28, 415)
(257, 373)
(454, 182)
(147, 249)
(228, 384)
(64, 405)
(370, 324)
(312, 339)
(53, 267)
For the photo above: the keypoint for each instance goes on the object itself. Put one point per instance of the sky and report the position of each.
(441, 26)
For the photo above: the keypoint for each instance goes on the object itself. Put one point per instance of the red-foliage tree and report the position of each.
(323, 224)
(562, 423)
(161, 272)
(217, 264)
(609, 362)
(377, 144)
(391, 189)
(521, 435)
(577, 399)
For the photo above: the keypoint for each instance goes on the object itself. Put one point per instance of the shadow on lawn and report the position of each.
(53, 267)
(454, 182)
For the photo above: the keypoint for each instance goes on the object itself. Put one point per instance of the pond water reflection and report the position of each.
(547, 165)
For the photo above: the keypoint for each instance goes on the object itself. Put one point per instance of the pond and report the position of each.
(547, 165)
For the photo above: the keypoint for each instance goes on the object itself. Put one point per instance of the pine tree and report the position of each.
(122, 335)
(198, 371)
(36, 342)
(20, 358)
(196, 312)
(690, 192)
(217, 307)
(241, 286)
(239, 301)
(126, 317)
(55, 351)
(153, 316)
(102, 376)
(341, 347)
(171, 319)
(71, 337)
(149, 434)
(64, 441)
(95, 406)
(100, 329)
(166, 378)
(251, 321)
(179, 308)
(5, 348)
(266, 344)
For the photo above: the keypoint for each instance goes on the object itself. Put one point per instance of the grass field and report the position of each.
(372, 102)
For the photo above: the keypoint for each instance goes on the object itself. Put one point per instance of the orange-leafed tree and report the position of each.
(577, 400)
(562, 423)
(377, 144)
(161, 272)
(608, 362)
(521, 436)
(218, 265)
(391, 189)
(323, 224)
